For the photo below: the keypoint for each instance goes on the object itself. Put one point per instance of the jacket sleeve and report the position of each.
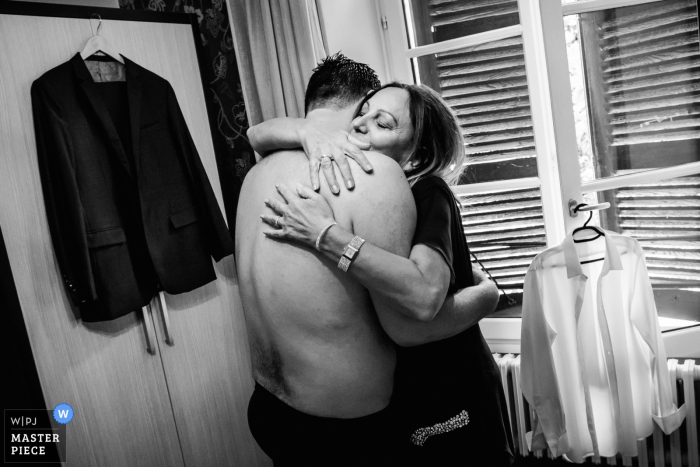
(64, 209)
(219, 240)
(538, 376)
(646, 321)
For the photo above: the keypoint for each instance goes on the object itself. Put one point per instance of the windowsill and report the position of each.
(672, 324)
(503, 336)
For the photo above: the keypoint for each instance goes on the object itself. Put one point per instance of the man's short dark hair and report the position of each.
(338, 82)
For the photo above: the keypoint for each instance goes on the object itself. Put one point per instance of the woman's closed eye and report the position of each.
(382, 125)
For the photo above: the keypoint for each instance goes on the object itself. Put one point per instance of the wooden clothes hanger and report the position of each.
(98, 43)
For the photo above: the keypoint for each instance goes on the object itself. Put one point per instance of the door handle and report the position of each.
(166, 319)
(150, 332)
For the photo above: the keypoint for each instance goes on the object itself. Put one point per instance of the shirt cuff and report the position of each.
(562, 445)
(670, 423)
(558, 446)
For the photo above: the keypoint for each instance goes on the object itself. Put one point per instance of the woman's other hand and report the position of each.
(491, 295)
(479, 274)
(323, 143)
(300, 218)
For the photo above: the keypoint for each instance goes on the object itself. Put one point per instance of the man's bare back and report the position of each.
(315, 338)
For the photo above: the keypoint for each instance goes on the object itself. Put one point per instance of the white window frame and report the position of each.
(559, 180)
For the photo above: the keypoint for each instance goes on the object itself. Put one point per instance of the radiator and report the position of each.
(680, 449)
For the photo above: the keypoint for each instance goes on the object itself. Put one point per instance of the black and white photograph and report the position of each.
(350, 233)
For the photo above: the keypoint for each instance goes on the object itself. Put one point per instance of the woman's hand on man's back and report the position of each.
(323, 143)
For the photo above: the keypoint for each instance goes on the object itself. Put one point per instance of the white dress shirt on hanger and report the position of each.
(593, 365)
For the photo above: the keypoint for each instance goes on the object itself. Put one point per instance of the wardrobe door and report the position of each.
(118, 390)
(207, 366)
(208, 373)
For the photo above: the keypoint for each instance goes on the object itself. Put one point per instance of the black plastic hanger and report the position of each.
(585, 226)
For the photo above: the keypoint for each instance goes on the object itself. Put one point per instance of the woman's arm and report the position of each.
(415, 287)
(321, 136)
(275, 134)
(414, 307)
(459, 312)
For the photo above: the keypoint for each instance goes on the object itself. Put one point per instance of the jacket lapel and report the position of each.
(133, 86)
(93, 96)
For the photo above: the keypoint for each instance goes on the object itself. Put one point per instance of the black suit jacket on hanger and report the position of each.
(125, 222)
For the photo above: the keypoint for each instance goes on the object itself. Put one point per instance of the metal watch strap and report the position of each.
(349, 253)
(344, 264)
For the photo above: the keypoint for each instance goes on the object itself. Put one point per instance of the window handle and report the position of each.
(166, 319)
(150, 332)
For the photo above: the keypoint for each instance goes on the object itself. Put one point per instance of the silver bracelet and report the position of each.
(322, 234)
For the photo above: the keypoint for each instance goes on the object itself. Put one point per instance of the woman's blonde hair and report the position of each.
(437, 146)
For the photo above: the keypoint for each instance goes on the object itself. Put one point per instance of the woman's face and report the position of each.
(385, 122)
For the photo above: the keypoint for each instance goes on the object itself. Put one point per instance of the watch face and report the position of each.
(349, 252)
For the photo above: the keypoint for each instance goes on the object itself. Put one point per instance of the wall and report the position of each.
(353, 27)
(99, 3)
(396, 41)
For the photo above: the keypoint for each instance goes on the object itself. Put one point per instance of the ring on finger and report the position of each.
(277, 222)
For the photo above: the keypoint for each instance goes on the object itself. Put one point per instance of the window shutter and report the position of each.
(486, 86)
(505, 231)
(643, 76)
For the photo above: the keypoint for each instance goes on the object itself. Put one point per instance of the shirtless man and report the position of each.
(323, 366)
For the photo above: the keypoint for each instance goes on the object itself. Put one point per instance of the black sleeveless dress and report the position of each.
(448, 396)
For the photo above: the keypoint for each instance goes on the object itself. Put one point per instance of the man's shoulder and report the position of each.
(284, 155)
(386, 173)
(384, 189)
(377, 159)
(382, 209)
(275, 160)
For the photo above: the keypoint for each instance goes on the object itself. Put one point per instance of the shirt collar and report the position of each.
(573, 264)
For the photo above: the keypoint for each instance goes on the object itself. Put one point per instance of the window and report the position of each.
(437, 21)
(635, 82)
(486, 86)
(625, 128)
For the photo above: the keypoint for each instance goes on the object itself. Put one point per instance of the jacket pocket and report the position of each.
(105, 237)
(184, 217)
(150, 126)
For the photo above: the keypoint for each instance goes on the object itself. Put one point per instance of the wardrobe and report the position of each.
(184, 401)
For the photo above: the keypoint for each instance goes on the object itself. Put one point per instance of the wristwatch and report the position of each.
(349, 253)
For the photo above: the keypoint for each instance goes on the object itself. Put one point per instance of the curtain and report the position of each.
(279, 43)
